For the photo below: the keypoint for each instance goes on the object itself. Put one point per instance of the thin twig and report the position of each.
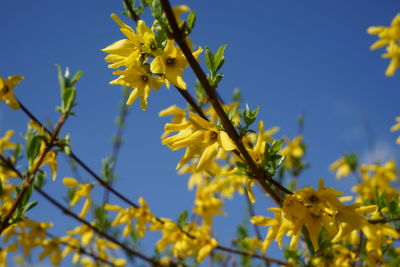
(116, 146)
(249, 254)
(132, 13)
(250, 208)
(68, 212)
(31, 174)
(81, 250)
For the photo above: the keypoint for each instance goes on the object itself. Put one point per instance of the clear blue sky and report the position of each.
(288, 57)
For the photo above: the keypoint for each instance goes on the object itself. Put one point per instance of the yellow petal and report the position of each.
(70, 182)
(225, 141)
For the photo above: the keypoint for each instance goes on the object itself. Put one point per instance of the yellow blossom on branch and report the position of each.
(81, 190)
(395, 128)
(7, 90)
(389, 37)
(201, 138)
(140, 79)
(172, 63)
(142, 215)
(313, 210)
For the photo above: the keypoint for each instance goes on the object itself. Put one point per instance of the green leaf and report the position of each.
(33, 147)
(276, 146)
(219, 58)
(210, 61)
(217, 79)
(182, 218)
(40, 178)
(30, 205)
(191, 20)
(60, 77)
(1, 188)
(76, 77)
(68, 98)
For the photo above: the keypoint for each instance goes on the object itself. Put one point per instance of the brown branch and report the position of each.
(123, 113)
(252, 255)
(81, 250)
(132, 13)
(80, 162)
(179, 37)
(31, 174)
(250, 208)
(68, 212)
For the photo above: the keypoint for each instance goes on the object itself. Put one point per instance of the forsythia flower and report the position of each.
(140, 79)
(395, 128)
(201, 138)
(142, 214)
(377, 177)
(390, 37)
(6, 90)
(200, 244)
(207, 205)
(134, 53)
(82, 190)
(344, 165)
(172, 63)
(313, 210)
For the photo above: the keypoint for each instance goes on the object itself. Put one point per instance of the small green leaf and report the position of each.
(191, 20)
(219, 58)
(182, 218)
(276, 146)
(30, 205)
(68, 98)
(217, 79)
(40, 178)
(33, 147)
(210, 61)
(60, 77)
(76, 77)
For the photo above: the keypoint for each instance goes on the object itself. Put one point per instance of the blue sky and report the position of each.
(288, 57)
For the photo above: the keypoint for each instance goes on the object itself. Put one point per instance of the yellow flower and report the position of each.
(6, 90)
(81, 190)
(207, 205)
(51, 248)
(140, 79)
(5, 142)
(341, 167)
(395, 128)
(390, 37)
(313, 210)
(125, 51)
(344, 165)
(142, 214)
(377, 177)
(182, 245)
(171, 63)
(392, 52)
(201, 138)
(178, 117)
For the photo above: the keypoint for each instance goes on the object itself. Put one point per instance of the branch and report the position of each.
(31, 175)
(179, 37)
(66, 211)
(83, 251)
(252, 255)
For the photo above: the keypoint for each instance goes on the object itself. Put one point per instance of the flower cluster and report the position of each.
(202, 139)
(7, 90)
(135, 53)
(389, 37)
(313, 210)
